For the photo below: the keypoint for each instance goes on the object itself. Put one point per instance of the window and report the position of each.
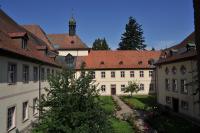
(168, 100)
(103, 88)
(183, 70)
(35, 74)
(112, 74)
(184, 105)
(24, 43)
(48, 72)
(35, 111)
(25, 111)
(122, 74)
(25, 73)
(93, 75)
(122, 87)
(132, 74)
(141, 86)
(151, 87)
(42, 73)
(52, 71)
(174, 85)
(103, 74)
(167, 84)
(183, 86)
(166, 71)
(141, 73)
(11, 118)
(69, 60)
(12, 73)
(174, 70)
(150, 73)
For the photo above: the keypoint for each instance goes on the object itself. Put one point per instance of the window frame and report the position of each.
(123, 86)
(26, 111)
(103, 74)
(35, 74)
(122, 74)
(35, 111)
(174, 85)
(132, 74)
(141, 87)
(103, 88)
(141, 73)
(13, 119)
(25, 73)
(183, 86)
(14, 71)
(112, 74)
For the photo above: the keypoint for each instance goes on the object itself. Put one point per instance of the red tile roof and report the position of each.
(66, 41)
(7, 25)
(16, 34)
(181, 55)
(39, 32)
(125, 59)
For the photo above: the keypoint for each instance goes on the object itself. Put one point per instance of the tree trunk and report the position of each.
(196, 5)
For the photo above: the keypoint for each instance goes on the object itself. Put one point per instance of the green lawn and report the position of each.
(108, 104)
(143, 102)
(118, 126)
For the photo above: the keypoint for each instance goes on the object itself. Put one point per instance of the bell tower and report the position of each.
(72, 26)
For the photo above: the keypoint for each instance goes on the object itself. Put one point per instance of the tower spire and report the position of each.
(72, 25)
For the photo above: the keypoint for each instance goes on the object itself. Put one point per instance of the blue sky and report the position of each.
(165, 22)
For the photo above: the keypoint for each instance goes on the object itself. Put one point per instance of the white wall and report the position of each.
(73, 52)
(118, 80)
(18, 93)
(190, 65)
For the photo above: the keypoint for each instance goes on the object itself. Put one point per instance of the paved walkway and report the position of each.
(125, 109)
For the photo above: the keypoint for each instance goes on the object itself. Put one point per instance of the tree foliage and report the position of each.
(132, 87)
(100, 44)
(71, 106)
(132, 38)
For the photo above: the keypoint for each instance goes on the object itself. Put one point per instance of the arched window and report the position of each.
(174, 70)
(183, 69)
(167, 70)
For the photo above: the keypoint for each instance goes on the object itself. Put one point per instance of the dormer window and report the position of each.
(190, 46)
(140, 62)
(121, 62)
(102, 63)
(24, 43)
(20, 36)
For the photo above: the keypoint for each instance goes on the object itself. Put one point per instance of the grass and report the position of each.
(143, 102)
(120, 126)
(108, 104)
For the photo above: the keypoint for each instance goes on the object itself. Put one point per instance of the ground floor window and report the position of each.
(11, 117)
(168, 100)
(122, 88)
(25, 111)
(184, 105)
(103, 88)
(151, 87)
(142, 87)
(35, 111)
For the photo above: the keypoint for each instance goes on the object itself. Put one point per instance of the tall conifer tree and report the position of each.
(132, 38)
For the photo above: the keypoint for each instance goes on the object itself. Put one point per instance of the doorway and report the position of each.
(175, 104)
(113, 89)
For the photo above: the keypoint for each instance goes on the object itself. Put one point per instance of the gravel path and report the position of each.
(125, 109)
